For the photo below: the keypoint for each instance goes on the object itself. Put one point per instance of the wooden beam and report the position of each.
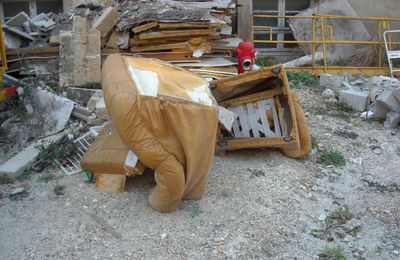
(245, 19)
(144, 27)
(175, 33)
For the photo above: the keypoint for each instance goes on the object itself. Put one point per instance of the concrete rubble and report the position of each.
(377, 97)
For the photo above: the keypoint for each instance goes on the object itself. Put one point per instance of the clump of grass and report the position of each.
(59, 189)
(5, 179)
(344, 107)
(49, 177)
(263, 62)
(333, 253)
(194, 209)
(225, 194)
(331, 157)
(300, 79)
(314, 142)
(340, 216)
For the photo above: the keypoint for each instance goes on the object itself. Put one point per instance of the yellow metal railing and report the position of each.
(3, 67)
(319, 26)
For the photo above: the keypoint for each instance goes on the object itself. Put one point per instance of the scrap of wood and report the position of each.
(191, 45)
(170, 56)
(281, 116)
(135, 41)
(169, 26)
(175, 33)
(106, 226)
(144, 27)
(253, 97)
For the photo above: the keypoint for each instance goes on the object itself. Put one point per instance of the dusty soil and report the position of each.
(258, 204)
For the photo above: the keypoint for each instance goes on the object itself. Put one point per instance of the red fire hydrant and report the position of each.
(245, 54)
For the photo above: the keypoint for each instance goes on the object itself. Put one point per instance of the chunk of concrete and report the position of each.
(388, 100)
(396, 93)
(325, 79)
(97, 104)
(43, 22)
(355, 99)
(392, 120)
(18, 20)
(24, 159)
(106, 21)
(328, 93)
(380, 110)
(81, 95)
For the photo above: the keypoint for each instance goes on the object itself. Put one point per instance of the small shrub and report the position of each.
(59, 189)
(193, 208)
(344, 107)
(340, 216)
(263, 62)
(332, 157)
(333, 253)
(300, 79)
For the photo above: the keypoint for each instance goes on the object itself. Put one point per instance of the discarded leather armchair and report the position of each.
(168, 118)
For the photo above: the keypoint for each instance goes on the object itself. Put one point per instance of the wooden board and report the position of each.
(135, 41)
(161, 47)
(171, 26)
(170, 56)
(175, 33)
(209, 62)
(144, 27)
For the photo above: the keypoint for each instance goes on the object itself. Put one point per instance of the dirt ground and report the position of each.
(258, 205)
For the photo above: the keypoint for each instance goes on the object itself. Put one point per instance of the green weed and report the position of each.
(301, 79)
(333, 253)
(59, 189)
(331, 157)
(340, 216)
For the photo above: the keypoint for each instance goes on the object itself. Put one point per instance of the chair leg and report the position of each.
(110, 182)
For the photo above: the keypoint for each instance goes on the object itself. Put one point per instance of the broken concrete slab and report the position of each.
(43, 22)
(58, 110)
(81, 95)
(388, 100)
(106, 21)
(356, 99)
(305, 60)
(343, 29)
(392, 120)
(24, 159)
(12, 41)
(328, 93)
(18, 20)
(379, 109)
(18, 32)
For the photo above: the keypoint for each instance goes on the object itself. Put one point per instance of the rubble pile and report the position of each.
(377, 97)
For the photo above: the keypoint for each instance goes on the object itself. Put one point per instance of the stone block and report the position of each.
(392, 120)
(93, 47)
(106, 21)
(396, 93)
(380, 110)
(93, 69)
(54, 40)
(355, 99)
(79, 29)
(325, 80)
(388, 100)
